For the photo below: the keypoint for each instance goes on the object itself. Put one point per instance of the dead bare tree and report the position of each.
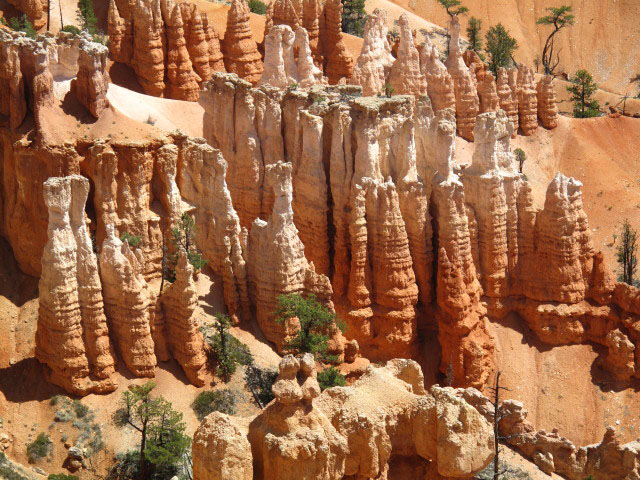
(498, 437)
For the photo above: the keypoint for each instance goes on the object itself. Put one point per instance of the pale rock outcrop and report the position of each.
(13, 102)
(181, 78)
(72, 337)
(148, 47)
(487, 92)
(281, 68)
(92, 81)
(527, 101)
(547, 106)
(221, 449)
(129, 304)
(508, 95)
(338, 62)
(196, 40)
(276, 260)
(179, 302)
(354, 431)
(467, 347)
(120, 32)
(405, 75)
(464, 83)
(216, 60)
(375, 60)
(202, 183)
(240, 51)
(439, 82)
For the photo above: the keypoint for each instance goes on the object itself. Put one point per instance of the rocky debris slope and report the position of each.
(167, 40)
(552, 453)
(72, 338)
(384, 421)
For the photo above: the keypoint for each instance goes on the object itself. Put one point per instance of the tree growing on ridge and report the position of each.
(473, 34)
(559, 17)
(500, 47)
(582, 89)
(627, 253)
(453, 7)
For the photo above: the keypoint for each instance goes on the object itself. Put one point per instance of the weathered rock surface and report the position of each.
(351, 431)
(375, 60)
(240, 51)
(487, 92)
(464, 83)
(508, 95)
(179, 302)
(72, 338)
(338, 62)
(405, 75)
(547, 105)
(149, 48)
(129, 304)
(439, 82)
(181, 77)
(92, 81)
(527, 101)
(13, 102)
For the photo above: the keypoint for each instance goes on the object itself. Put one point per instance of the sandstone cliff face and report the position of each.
(72, 337)
(179, 302)
(13, 102)
(439, 82)
(405, 75)
(547, 105)
(464, 83)
(350, 431)
(527, 101)
(241, 54)
(375, 60)
(129, 304)
(161, 39)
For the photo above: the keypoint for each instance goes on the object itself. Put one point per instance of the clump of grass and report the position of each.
(41, 447)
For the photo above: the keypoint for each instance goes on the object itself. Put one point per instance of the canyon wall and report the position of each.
(382, 425)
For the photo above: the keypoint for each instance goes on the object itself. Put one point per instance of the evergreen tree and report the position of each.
(453, 7)
(582, 88)
(23, 24)
(229, 352)
(162, 439)
(521, 157)
(317, 323)
(473, 33)
(183, 237)
(500, 47)
(87, 16)
(353, 17)
(560, 17)
(627, 253)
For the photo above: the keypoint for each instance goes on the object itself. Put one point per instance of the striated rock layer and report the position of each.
(349, 431)
(72, 337)
(240, 51)
(405, 75)
(547, 105)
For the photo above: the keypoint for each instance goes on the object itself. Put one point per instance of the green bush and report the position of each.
(57, 399)
(61, 476)
(80, 409)
(259, 381)
(182, 238)
(331, 377)
(23, 24)
(256, 6)
(72, 29)
(228, 352)
(7, 471)
(223, 401)
(41, 447)
(132, 240)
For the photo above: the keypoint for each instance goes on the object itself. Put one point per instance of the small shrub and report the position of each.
(256, 6)
(223, 401)
(331, 377)
(228, 352)
(72, 29)
(132, 240)
(319, 99)
(41, 447)
(7, 471)
(388, 90)
(61, 476)
(259, 381)
(56, 399)
(62, 416)
(23, 24)
(80, 409)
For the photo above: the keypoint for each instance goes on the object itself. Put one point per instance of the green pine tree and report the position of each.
(559, 18)
(453, 7)
(317, 323)
(500, 47)
(353, 17)
(582, 89)
(163, 442)
(473, 34)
